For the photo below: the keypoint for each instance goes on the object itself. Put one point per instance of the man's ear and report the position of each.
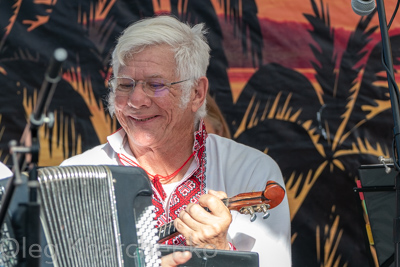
(200, 93)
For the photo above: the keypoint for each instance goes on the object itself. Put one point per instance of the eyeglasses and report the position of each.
(153, 87)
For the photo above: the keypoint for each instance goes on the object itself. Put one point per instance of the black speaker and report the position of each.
(377, 190)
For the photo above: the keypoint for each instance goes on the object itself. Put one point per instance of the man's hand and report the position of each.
(206, 229)
(176, 258)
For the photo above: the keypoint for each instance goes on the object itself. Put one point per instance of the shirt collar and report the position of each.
(118, 139)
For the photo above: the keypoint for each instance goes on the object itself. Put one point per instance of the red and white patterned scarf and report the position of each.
(189, 191)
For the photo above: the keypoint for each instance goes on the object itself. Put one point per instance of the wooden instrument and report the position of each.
(245, 203)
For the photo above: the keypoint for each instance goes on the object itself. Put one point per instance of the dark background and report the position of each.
(314, 96)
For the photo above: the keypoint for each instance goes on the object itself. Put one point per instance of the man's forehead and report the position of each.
(149, 66)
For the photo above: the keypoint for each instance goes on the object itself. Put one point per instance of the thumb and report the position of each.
(176, 258)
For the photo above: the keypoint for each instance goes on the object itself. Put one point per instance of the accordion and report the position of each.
(89, 217)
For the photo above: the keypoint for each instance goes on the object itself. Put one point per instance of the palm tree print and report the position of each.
(319, 125)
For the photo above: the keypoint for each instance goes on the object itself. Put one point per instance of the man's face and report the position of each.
(153, 121)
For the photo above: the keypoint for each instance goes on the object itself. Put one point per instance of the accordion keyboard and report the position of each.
(89, 215)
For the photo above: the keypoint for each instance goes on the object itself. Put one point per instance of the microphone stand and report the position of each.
(27, 217)
(388, 64)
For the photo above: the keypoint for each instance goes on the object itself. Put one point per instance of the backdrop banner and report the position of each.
(301, 81)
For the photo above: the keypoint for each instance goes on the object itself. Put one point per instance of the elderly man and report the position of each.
(158, 93)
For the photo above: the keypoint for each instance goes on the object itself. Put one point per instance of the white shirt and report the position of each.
(5, 172)
(233, 168)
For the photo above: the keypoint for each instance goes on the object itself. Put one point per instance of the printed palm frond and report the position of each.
(99, 27)
(245, 20)
(15, 11)
(53, 150)
(349, 72)
(219, 87)
(72, 133)
(328, 238)
(243, 15)
(340, 110)
(324, 53)
(274, 98)
(102, 123)
(298, 185)
(374, 83)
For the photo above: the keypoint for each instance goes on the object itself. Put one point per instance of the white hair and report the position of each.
(189, 44)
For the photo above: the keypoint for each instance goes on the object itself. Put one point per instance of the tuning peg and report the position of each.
(252, 214)
(265, 211)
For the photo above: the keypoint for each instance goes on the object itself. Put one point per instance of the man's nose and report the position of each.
(137, 96)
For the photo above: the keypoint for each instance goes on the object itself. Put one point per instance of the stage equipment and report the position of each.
(376, 189)
(26, 157)
(363, 7)
(387, 61)
(213, 257)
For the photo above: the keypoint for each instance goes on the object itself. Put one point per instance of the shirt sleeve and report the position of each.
(271, 237)
(235, 168)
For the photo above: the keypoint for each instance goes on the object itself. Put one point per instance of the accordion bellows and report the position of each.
(89, 215)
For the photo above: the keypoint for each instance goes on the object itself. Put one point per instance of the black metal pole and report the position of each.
(388, 61)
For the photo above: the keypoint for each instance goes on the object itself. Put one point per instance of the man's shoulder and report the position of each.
(98, 155)
(5, 172)
(227, 147)
(238, 167)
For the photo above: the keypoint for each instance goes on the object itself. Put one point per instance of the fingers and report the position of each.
(218, 194)
(176, 258)
(214, 203)
(195, 215)
(202, 228)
